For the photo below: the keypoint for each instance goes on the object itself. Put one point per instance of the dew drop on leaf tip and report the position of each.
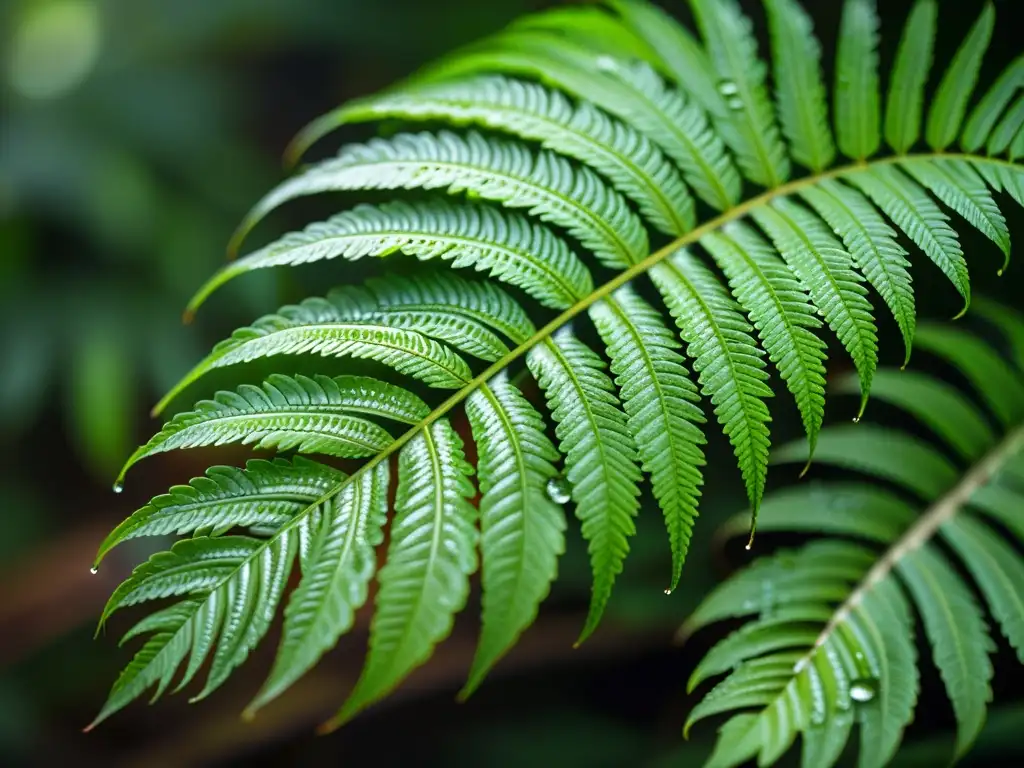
(118, 487)
(94, 570)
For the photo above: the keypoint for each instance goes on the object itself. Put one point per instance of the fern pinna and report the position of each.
(830, 641)
(601, 166)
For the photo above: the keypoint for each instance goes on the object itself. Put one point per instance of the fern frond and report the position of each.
(726, 358)
(600, 456)
(950, 103)
(621, 122)
(832, 639)
(545, 184)
(522, 526)
(505, 245)
(856, 91)
(627, 158)
(658, 398)
(909, 75)
(425, 580)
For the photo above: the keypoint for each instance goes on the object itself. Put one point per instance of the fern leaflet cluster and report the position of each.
(829, 639)
(581, 151)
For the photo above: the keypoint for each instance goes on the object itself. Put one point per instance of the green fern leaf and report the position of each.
(884, 453)
(600, 457)
(856, 89)
(304, 414)
(635, 166)
(630, 91)
(853, 509)
(676, 51)
(726, 358)
(956, 184)
(505, 245)
(803, 109)
(998, 570)
(494, 169)
(826, 272)
(334, 583)
(958, 635)
(950, 103)
(935, 403)
(425, 580)
(235, 583)
(659, 402)
(872, 243)
(314, 327)
(909, 75)
(999, 385)
(750, 128)
(983, 119)
(910, 209)
(1009, 321)
(264, 493)
(780, 311)
(1006, 131)
(523, 529)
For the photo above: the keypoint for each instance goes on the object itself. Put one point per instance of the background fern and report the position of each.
(638, 93)
(830, 640)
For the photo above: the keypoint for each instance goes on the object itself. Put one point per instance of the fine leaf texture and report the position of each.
(522, 528)
(600, 457)
(636, 166)
(658, 398)
(726, 358)
(335, 580)
(830, 633)
(425, 580)
(546, 198)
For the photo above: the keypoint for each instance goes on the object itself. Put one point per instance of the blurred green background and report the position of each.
(134, 135)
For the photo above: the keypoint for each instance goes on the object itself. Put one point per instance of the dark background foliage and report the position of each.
(134, 134)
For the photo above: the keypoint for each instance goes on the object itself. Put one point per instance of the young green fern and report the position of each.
(578, 138)
(829, 641)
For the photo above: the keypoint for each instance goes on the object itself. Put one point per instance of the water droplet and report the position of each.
(558, 490)
(748, 546)
(728, 88)
(606, 63)
(999, 272)
(668, 591)
(118, 487)
(856, 419)
(863, 689)
(94, 570)
(735, 104)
